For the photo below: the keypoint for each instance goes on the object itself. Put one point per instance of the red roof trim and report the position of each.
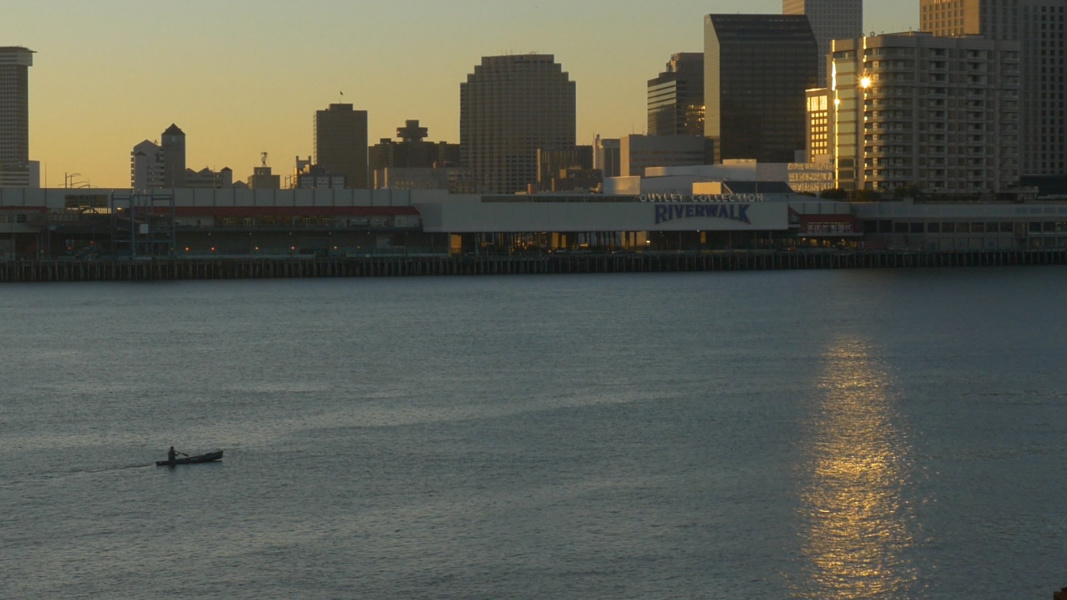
(26, 209)
(294, 211)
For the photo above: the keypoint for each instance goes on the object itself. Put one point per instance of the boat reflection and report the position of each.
(857, 527)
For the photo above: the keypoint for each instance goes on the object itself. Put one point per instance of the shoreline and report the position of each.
(179, 269)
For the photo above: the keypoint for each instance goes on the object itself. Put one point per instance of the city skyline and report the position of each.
(244, 78)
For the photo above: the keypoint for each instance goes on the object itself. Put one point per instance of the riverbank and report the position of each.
(25, 271)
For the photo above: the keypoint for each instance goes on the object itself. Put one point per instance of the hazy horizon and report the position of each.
(242, 78)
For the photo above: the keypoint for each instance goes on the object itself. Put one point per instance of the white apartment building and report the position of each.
(939, 113)
(1040, 27)
(146, 166)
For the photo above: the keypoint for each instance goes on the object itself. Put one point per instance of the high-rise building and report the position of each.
(15, 62)
(756, 71)
(341, 143)
(830, 20)
(510, 107)
(1040, 27)
(914, 110)
(146, 166)
(173, 157)
(676, 97)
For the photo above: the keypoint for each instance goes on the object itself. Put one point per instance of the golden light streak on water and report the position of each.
(858, 527)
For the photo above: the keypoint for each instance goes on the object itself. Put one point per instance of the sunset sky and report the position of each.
(243, 77)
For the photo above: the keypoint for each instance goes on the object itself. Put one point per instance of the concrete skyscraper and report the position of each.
(1041, 30)
(15, 116)
(510, 107)
(830, 20)
(341, 144)
(757, 69)
(676, 97)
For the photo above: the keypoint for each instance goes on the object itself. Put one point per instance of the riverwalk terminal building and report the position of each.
(669, 211)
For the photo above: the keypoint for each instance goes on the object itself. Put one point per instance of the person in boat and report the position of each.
(171, 454)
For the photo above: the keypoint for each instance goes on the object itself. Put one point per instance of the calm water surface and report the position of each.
(810, 435)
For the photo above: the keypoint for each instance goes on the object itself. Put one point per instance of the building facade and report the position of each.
(412, 151)
(639, 152)
(15, 63)
(235, 223)
(756, 71)
(510, 107)
(914, 110)
(1039, 27)
(676, 97)
(607, 156)
(263, 178)
(818, 148)
(830, 20)
(208, 179)
(341, 143)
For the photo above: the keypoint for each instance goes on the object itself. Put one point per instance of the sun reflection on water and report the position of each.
(857, 525)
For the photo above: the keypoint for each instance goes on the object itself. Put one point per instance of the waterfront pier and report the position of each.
(168, 269)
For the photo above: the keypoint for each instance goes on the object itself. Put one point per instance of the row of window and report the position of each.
(957, 227)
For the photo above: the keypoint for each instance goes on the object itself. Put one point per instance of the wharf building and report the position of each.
(676, 97)
(734, 207)
(830, 20)
(510, 107)
(1040, 28)
(916, 111)
(341, 143)
(15, 167)
(756, 71)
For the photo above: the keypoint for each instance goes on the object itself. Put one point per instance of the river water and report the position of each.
(812, 435)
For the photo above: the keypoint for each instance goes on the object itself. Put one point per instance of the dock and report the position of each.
(218, 268)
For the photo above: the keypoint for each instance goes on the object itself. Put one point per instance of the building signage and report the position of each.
(701, 198)
(733, 212)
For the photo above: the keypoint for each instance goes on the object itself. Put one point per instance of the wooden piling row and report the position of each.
(411, 266)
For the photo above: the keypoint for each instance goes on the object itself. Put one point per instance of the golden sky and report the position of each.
(243, 77)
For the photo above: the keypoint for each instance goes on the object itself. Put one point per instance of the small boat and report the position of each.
(191, 460)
